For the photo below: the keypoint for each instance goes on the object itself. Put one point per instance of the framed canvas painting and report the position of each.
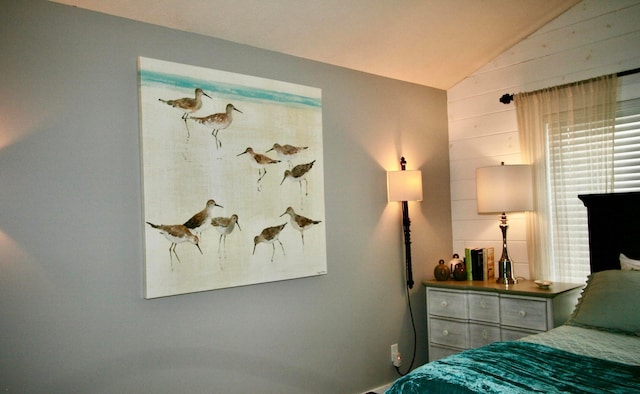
(233, 183)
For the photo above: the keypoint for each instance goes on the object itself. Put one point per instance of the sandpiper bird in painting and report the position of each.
(225, 226)
(300, 222)
(260, 162)
(269, 235)
(299, 174)
(176, 233)
(188, 105)
(202, 220)
(219, 121)
(287, 152)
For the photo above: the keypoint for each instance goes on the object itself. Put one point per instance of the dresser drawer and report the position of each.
(449, 333)
(447, 303)
(438, 352)
(482, 334)
(484, 307)
(511, 334)
(524, 313)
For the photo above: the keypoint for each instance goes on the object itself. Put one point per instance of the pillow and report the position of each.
(629, 264)
(609, 302)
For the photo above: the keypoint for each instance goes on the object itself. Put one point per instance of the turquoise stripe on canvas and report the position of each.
(231, 90)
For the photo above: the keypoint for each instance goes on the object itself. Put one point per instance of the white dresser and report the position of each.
(468, 314)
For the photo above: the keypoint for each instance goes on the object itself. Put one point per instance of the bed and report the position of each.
(597, 350)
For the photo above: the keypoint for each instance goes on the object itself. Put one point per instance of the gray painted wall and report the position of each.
(73, 318)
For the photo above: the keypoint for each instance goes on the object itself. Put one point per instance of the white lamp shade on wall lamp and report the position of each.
(502, 189)
(404, 185)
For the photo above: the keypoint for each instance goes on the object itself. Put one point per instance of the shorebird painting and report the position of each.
(260, 162)
(188, 105)
(287, 152)
(176, 233)
(299, 174)
(214, 145)
(269, 235)
(201, 221)
(225, 226)
(219, 121)
(300, 222)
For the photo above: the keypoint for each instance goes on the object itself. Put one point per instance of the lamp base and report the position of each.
(506, 281)
(505, 271)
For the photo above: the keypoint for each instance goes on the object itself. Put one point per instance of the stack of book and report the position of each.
(480, 263)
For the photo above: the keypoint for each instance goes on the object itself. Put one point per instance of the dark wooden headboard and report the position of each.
(614, 228)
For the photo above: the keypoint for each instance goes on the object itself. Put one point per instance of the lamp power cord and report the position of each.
(415, 336)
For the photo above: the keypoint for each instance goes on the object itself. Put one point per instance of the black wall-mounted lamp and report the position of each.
(405, 186)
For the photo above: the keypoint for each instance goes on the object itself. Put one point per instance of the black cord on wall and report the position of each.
(415, 339)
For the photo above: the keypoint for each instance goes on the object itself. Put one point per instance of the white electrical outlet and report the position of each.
(396, 358)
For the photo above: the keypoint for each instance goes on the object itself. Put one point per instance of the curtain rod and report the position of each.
(508, 98)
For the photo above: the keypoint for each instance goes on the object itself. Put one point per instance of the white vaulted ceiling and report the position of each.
(435, 43)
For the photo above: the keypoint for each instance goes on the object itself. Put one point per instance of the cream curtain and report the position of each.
(550, 122)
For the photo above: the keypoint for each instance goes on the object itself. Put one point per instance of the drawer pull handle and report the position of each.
(444, 304)
(445, 333)
(483, 303)
(485, 334)
(522, 313)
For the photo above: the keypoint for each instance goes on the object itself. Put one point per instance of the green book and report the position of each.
(467, 263)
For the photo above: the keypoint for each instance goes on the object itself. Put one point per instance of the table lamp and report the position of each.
(502, 189)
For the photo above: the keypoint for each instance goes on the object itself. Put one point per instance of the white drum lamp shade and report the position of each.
(404, 185)
(504, 189)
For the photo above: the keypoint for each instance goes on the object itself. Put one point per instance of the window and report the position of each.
(566, 153)
(627, 147)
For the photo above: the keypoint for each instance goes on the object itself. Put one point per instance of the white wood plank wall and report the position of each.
(593, 38)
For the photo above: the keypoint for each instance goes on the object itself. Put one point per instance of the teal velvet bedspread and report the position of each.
(519, 367)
